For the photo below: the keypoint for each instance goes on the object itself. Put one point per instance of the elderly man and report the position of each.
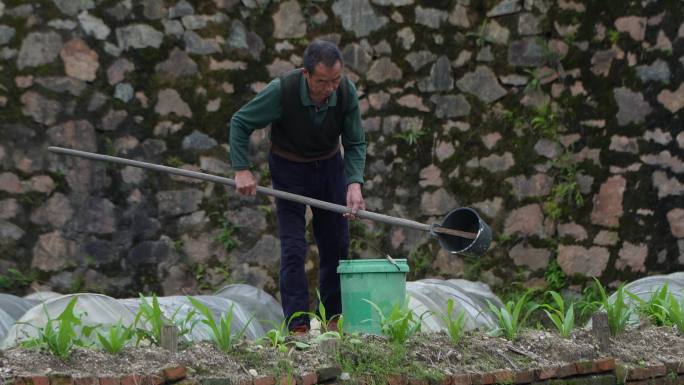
(309, 110)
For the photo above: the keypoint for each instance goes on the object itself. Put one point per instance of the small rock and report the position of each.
(170, 102)
(80, 62)
(39, 48)
(657, 71)
(590, 262)
(529, 24)
(178, 64)
(138, 36)
(406, 37)
(676, 219)
(383, 70)
(41, 109)
(358, 17)
(483, 84)
(658, 136)
(526, 221)
(440, 78)
(356, 57)
(93, 26)
(608, 202)
(634, 25)
(606, 238)
(419, 59)
(430, 17)
(505, 7)
(182, 8)
(450, 106)
(6, 34)
(673, 101)
(533, 258)
(124, 92)
(289, 21)
(624, 144)
(198, 141)
(526, 53)
(496, 33)
(632, 256)
(632, 106)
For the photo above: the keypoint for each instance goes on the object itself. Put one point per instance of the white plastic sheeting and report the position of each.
(11, 309)
(645, 287)
(42, 296)
(432, 295)
(267, 311)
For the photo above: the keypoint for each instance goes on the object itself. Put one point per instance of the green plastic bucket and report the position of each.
(376, 280)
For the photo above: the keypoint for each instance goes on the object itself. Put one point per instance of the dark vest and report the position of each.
(296, 133)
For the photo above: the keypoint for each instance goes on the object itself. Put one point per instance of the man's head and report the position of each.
(322, 69)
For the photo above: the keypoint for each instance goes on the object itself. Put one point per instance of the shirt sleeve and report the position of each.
(259, 112)
(353, 139)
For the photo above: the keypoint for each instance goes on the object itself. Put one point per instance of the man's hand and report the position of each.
(354, 200)
(245, 183)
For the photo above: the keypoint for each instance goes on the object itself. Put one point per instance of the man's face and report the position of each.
(323, 81)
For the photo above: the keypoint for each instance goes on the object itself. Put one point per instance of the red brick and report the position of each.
(174, 373)
(524, 376)
(133, 379)
(646, 373)
(18, 381)
(287, 380)
(585, 367)
(503, 376)
(605, 365)
(397, 379)
(567, 370)
(153, 379)
(307, 379)
(460, 379)
(110, 381)
(445, 381)
(86, 381)
(37, 380)
(547, 373)
(61, 379)
(264, 380)
(482, 378)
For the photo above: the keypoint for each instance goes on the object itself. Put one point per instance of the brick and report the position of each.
(287, 380)
(264, 380)
(585, 367)
(546, 373)
(397, 379)
(482, 379)
(307, 379)
(86, 381)
(215, 381)
(110, 381)
(61, 379)
(605, 365)
(503, 376)
(460, 379)
(18, 381)
(132, 379)
(524, 376)
(328, 373)
(444, 381)
(675, 367)
(37, 380)
(174, 373)
(646, 373)
(567, 370)
(415, 381)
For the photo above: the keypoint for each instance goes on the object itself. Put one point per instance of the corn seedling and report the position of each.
(152, 315)
(276, 337)
(59, 335)
(618, 311)
(675, 312)
(512, 316)
(455, 324)
(400, 324)
(221, 334)
(322, 317)
(563, 320)
(116, 337)
(656, 307)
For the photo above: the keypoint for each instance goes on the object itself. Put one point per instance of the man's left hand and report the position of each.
(354, 200)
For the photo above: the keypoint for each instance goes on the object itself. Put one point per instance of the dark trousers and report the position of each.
(324, 180)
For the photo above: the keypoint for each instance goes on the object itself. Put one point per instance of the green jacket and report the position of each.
(266, 108)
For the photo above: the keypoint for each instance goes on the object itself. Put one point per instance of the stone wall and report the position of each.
(559, 121)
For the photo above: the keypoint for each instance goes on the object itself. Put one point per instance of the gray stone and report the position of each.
(112, 50)
(53, 253)
(526, 221)
(196, 45)
(194, 22)
(121, 10)
(178, 202)
(123, 92)
(514, 80)
(658, 136)
(419, 59)
(673, 101)
(483, 84)
(632, 106)
(624, 144)
(490, 207)
(252, 220)
(10, 232)
(117, 71)
(606, 238)
(22, 11)
(459, 16)
(79, 135)
(439, 202)
(266, 252)
(526, 53)
(430, 176)
(496, 33)
(535, 259)
(193, 223)
(396, 3)
(665, 160)
(607, 208)
(10, 183)
(10, 208)
(485, 55)
(202, 248)
(138, 36)
(244, 42)
(170, 102)
(55, 212)
(547, 148)
(173, 27)
(675, 218)
(666, 186)
(538, 185)
(153, 147)
(154, 9)
(39, 48)
(383, 70)
(632, 257)
(182, 8)
(62, 84)
(529, 24)
(602, 60)
(198, 141)
(73, 7)
(505, 7)
(358, 17)
(356, 58)
(658, 71)
(93, 26)
(150, 253)
(450, 106)
(6, 34)
(430, 17)
(41, 109)
(288, 21)
(95, 216)
(440, 78)
(406, 37)
(112, 120)
(590, 262)
(2, 8)
(253, 275)
(279, 67)
(178, 64)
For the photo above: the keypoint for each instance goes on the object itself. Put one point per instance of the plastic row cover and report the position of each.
(252, 307)
(644, 288)
(11, 309)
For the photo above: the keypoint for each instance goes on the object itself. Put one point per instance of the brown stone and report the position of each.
(52, 252)
(80, 62)
(526, 221)
(580, 260)
(10, 183)
(676, 219)
(531, 257)
(634, 25)
(673, 101)
(632, 256)
(572, 230)
(170, 102)
(608, 202)
(537, 185)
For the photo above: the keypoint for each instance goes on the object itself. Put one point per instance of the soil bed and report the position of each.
(425, 355)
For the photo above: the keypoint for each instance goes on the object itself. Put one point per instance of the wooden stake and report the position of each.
(169, 338)
(601, 330)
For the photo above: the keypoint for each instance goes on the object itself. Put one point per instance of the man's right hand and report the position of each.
(245, 183)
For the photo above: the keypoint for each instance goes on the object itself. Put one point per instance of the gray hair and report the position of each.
(321, 51)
